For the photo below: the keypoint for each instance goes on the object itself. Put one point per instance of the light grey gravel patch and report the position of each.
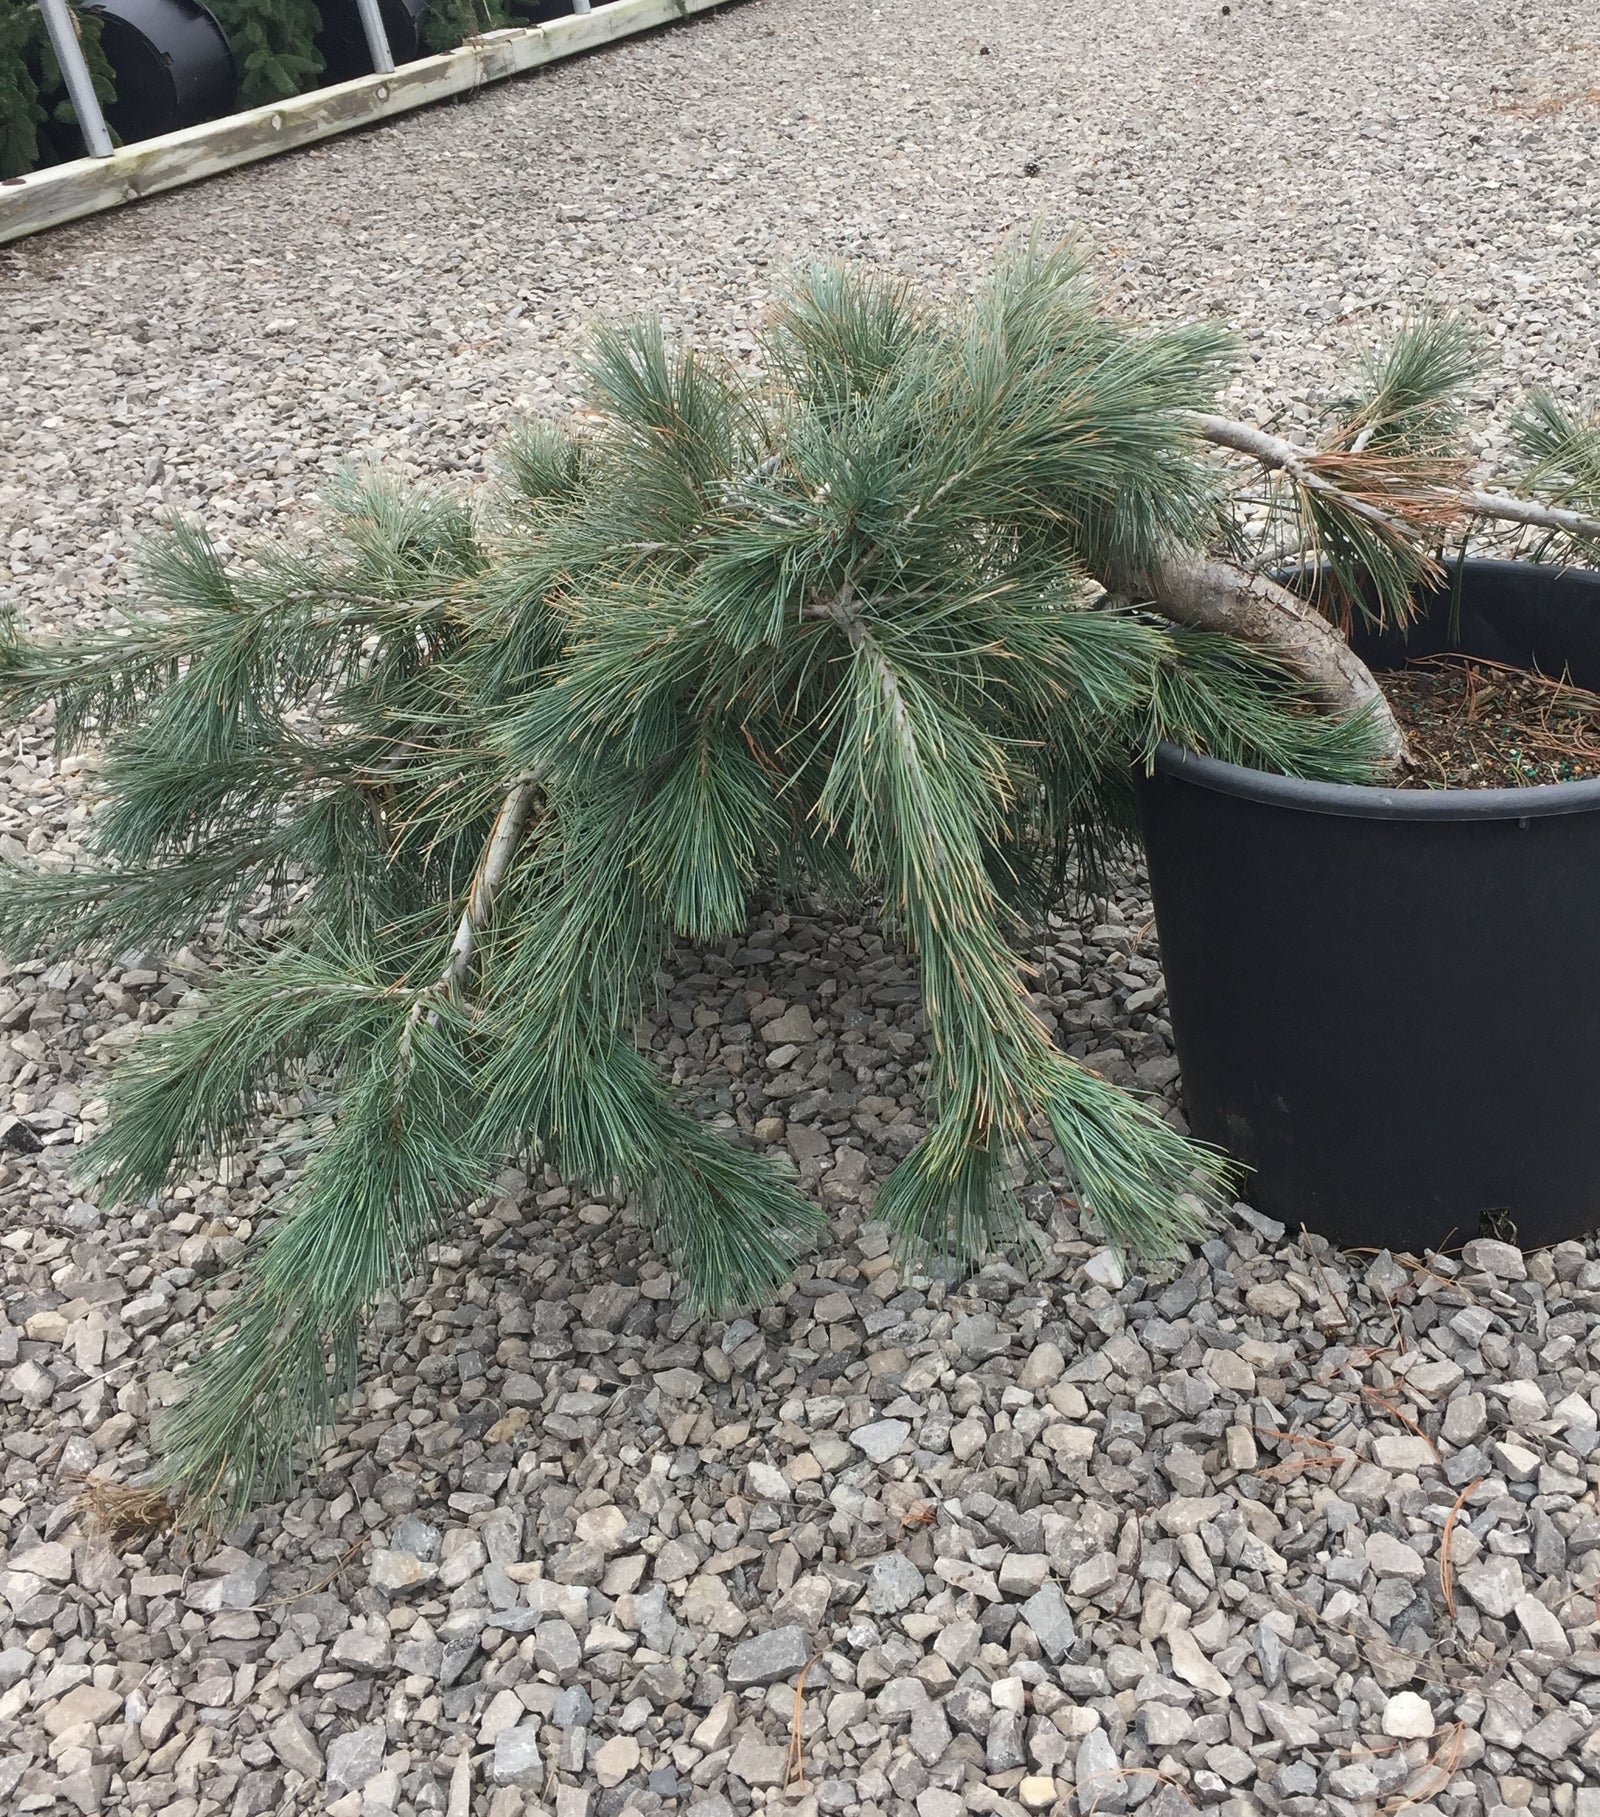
(1046, 1613)
(894, 1583)
(711, 1804)
(882, 1439)
(769, 1658)
(238, 1588)
(356, 1757)
(1408, 1717)
(396, 1572)
(292, 1742)
(406, 294)
(517, 1759)
(930, 1734)
(1504, 1261)
(979, 1336)
(1169, 1801)
(1003, 1749)
(1098, 1774)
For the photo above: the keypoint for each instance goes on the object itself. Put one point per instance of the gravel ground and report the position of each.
(1087, 1542)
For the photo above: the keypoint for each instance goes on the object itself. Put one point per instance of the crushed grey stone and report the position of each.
(1170, 1526)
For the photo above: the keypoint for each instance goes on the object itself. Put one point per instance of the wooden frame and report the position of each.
(66, 192)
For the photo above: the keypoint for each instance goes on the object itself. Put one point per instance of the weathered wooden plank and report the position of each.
(66, 192)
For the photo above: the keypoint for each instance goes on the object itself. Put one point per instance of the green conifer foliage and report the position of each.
(275, 41)
(450, 22)
(444, 784)
(32, 93)
(274, 44)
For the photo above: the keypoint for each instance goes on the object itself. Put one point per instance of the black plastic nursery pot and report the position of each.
(172, 64)
(343, 41)
(1386, 1002)
(541, 12)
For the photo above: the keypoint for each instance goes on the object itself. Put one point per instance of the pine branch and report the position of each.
(191, 1091)
(1244, 705)
(712, 833)
(214, 653)
(1431, 502)
(1562, 452)
(1352, 491)
(371, 1199)
(106, 909)
(916, 788)
(562, 1080)
(504, 838)
(1361, 505)
(1408, 400)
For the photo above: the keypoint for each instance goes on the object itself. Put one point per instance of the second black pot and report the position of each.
(343, 42)
(1386, 1003)
(172, 64)
(541, 12)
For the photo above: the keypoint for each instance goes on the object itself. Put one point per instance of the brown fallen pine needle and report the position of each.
(321, 1584)
(122, 1514)
(1359, 1358)
(1447, 1571)
(1088, 1779)
(1380, 1399)
(1394, 1324)
(1456, 1744)
(1325, 1457)
(1325, 1278)
(1294, 1438)
(794, 1765)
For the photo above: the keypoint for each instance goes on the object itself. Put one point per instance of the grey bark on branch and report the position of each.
(1277, 454)
(1525, 511)
(504, 838)
(1280, 456)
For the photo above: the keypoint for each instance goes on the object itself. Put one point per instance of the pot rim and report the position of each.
(1375, 801)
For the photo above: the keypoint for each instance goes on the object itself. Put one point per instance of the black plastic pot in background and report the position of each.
(343, 43)
(541, 12)
(172, 64)
(1386, 1003)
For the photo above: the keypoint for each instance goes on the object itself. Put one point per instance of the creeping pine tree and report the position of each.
(872, 627)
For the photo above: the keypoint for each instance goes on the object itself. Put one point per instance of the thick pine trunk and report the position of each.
(1213, 595)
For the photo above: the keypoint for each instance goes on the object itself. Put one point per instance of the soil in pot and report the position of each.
(1473, 724)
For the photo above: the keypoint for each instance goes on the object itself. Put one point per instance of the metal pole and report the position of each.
(377, 37)
(75, 72)
(581, 6)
